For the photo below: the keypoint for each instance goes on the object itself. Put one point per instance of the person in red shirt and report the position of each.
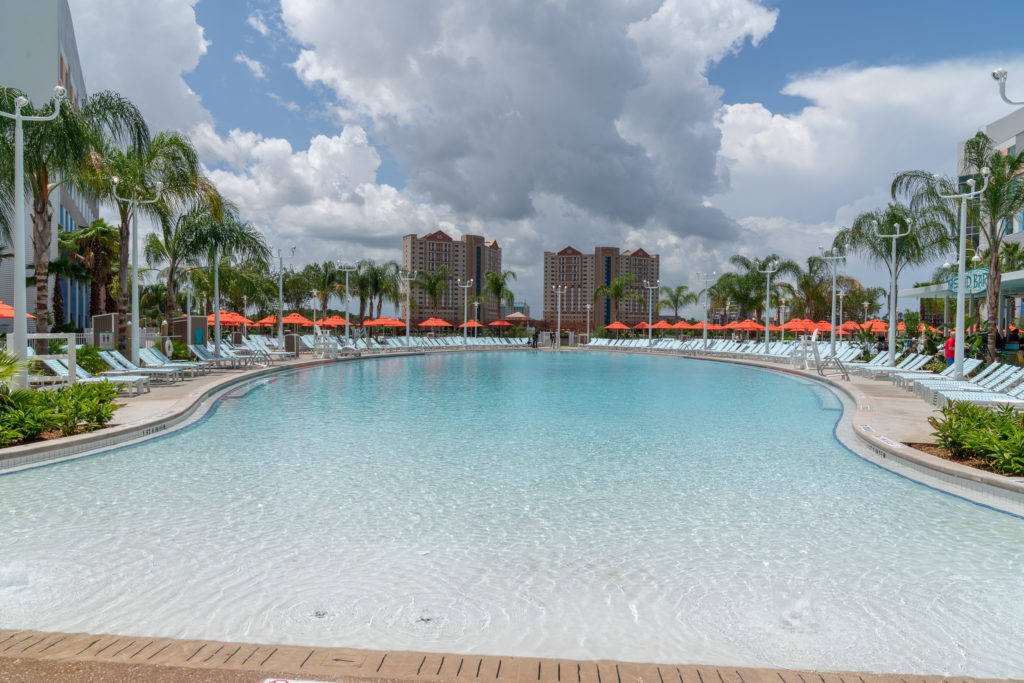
(950, 349)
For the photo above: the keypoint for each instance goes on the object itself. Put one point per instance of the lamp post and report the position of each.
(895, 235)
(958, 357)
(280, 297)
(832, 258)
(841, 295)
(465, 307)
(188, 312)
(348, 299)
(1000, 76)
(134, 203)
(245, 309)
(651, 289)
(559, 291)
(769, 269)
(407, 278)
(476, 318)
(20, 329)
(315, 293)
(588, 307)
(708, 279)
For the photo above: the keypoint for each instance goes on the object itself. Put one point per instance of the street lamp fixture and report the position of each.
(652, 288)
(958, 357)
(707, 278)
(19, 332)
(831, 256)
(559, 291)
(588, 308)
(476, 318)
(315, 293)
(841, 295)
(134, 201)
(465, 308)
(894, 235)
(1000, 76)
(770, 268)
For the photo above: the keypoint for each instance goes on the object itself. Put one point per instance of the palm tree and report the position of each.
(748, 290)
(65, 267)
(59, 153)
(326, 279)
(434, 284)
(997, 206)
(927, 239)
(169, 159)
(496, 286)
(618, 290)
(172, 246)
(95, 247)
(676, 298)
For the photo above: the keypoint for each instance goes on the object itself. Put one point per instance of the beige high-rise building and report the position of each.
(469, 258)
(581, 274)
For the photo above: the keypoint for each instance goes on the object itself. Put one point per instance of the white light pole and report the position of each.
(588, 307)
(188, 312)
(559, 291)
(20, 329)
(316, 293)
(708, 279)
(476, 318)
(465, 307)
(348, 299)
(407, 278)
(651, 289)
(841, 295)
(769, 269)
(280, 297)
(958, 357)
(895, 235)
(134, 202)
(832, 258)
(245, 309)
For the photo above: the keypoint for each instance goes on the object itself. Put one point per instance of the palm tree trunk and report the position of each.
(41, 257)
(58, 302)
(995, 277)
(171, 300)
(96, 288)
(124, 237)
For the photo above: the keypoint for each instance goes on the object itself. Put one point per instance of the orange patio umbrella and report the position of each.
(616, 326)
(434, 322)
(500, 323)
(876, 326)
(823, 326)
(297, 319)
(662, 325)
(7, 311)
(683, 325)
(270, 320)
(471, 324)
(327, 322)
(640, 326)
(749, 325)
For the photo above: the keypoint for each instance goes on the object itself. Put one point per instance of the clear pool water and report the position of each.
(587, 506)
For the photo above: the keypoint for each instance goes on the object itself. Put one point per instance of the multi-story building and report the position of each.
(40, 54)
(469, 258)
(521, 307)
(581, 274)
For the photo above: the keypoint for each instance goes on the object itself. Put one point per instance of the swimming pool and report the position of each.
(558, 505)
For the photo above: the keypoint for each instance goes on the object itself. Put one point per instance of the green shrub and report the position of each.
(26, 414)
(180, 351)
(89, 358)
(995, 435)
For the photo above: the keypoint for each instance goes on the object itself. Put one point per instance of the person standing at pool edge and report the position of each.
(951, 350)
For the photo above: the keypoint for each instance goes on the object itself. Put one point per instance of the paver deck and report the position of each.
(28, 656)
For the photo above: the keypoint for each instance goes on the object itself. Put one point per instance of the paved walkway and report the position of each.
(891, 417)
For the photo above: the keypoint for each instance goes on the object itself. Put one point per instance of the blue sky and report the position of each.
(695, 129)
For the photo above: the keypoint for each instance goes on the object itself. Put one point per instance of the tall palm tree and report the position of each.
(172, 246)
(326, 279)
(65, 267)
(620, 289)
(169, 159)
(59, 153)
(95, 247)
(997, 206)
(929, 237)
(434, 284)
(676, 298)
(748, 289)
(496, 286)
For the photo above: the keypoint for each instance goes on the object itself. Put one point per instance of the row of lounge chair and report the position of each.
(782, 351)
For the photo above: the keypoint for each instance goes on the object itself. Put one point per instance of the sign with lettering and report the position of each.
(977, 281)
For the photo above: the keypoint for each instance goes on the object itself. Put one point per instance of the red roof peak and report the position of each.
(569, 251)
(438, 236)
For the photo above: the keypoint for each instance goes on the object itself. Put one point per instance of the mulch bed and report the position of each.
(940, 452)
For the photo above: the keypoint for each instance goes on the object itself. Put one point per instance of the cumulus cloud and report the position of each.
(255, 68)
(258, 23)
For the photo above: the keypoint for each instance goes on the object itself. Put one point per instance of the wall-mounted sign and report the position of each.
(977, 281)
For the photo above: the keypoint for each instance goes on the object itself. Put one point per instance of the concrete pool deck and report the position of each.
(881, 415)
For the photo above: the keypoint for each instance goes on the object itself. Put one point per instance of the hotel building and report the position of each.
(468, 258)
(581, 274)
(40, 54)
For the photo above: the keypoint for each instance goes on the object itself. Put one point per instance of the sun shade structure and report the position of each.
(7, 311)
(297, 319)
(640, 326)
(662, 325)
(434, 322)
(876, 326)
(616, 326)
(683, 325)
(471, 324)
(749, 325)
(500, 323)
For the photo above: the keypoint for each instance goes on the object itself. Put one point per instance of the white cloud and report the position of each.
(255, 67)
(258, 23)
(287, 104)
